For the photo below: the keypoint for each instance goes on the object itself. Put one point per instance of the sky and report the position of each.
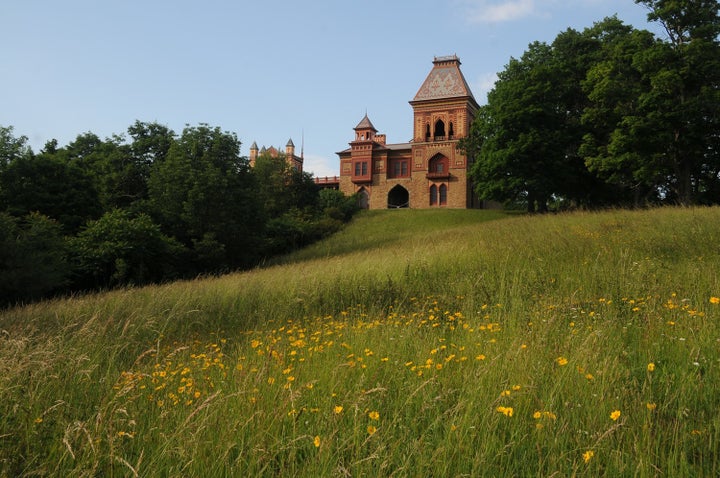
(266, 70)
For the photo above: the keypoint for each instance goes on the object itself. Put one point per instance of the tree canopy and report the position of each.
(611, 115)
(145, 207)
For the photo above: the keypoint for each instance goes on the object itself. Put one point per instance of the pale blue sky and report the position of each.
(267, 70)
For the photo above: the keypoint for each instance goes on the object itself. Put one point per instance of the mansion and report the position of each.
(427, 172)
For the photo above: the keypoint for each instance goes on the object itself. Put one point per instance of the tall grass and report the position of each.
(413, 343)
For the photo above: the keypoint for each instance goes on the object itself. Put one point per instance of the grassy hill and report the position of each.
(413, 343)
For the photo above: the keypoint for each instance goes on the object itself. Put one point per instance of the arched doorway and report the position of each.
(398, 197)
(363, 199)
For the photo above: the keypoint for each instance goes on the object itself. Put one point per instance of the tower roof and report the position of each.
(253, 146)
(365, 123)
(290, 143)
(445, 80)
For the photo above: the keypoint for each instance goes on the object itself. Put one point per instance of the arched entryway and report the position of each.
(363, 199)
(398, 197)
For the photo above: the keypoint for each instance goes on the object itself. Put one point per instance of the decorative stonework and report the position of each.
(443, 109)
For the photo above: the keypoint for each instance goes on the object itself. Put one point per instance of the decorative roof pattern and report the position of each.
(365, 123)
(444, 81)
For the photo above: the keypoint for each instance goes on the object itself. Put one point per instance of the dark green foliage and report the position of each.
(607, 116)
(33, 258)
(203, 190)
(55, 188)
(121, 249)
(155, 208)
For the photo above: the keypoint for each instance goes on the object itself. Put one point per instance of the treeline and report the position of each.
(152, 206)
(610, 116)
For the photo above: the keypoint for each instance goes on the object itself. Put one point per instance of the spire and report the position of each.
(365, 123)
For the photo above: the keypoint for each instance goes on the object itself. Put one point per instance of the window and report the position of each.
(364, 168)
(451, 133)
(439, 130)
(438, 165)
(443, 194)
(427, 132)
(399, 169)
(433, 195)
(357, 169)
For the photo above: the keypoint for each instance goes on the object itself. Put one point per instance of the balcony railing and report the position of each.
(429, 139)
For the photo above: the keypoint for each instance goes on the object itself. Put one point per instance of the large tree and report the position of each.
(659, 102)
(525, 142)
(203, 194)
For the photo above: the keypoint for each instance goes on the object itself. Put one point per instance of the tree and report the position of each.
(615, 146)
(120, 249)
(203, 191)
(280, 187)
(525, 141)
(663, 138)
(52, 187)
(12, 148)
(684, 99)
(33, 258)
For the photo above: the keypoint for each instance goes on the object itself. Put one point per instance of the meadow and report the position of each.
(411, 343)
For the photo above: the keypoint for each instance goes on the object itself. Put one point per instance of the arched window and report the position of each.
(439, 130)
(433, 195)
(451, 132)
(438, 166)
(427, 132)
(443, 194)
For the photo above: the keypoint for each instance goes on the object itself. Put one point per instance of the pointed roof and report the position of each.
(365, 123)
(290, 143)
(253, 146)
(444, 81)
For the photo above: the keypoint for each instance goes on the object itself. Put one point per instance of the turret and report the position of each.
(290, 149)
(253, 153)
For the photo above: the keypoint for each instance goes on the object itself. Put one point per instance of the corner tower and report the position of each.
(443, 110)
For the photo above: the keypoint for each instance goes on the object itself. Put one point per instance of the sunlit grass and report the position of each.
(582, 344)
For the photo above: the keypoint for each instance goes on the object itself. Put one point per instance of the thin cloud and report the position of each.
(487, 11)
(482, 86)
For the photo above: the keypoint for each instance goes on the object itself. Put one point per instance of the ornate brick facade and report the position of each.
(427, 172)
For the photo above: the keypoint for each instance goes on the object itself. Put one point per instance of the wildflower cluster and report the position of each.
(183, 375)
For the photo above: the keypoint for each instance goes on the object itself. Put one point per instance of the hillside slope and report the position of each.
(411, 343)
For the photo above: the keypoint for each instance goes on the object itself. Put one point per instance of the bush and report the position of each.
(120, 249)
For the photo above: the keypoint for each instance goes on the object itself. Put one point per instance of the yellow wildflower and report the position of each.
(715, 300)
(338, 409)
(651, 406)
(507, 411)
(316, 441)
(587, 456)
(650, 367)
(374, 415)
(615, 415)
(371, 430)
(561, 361)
